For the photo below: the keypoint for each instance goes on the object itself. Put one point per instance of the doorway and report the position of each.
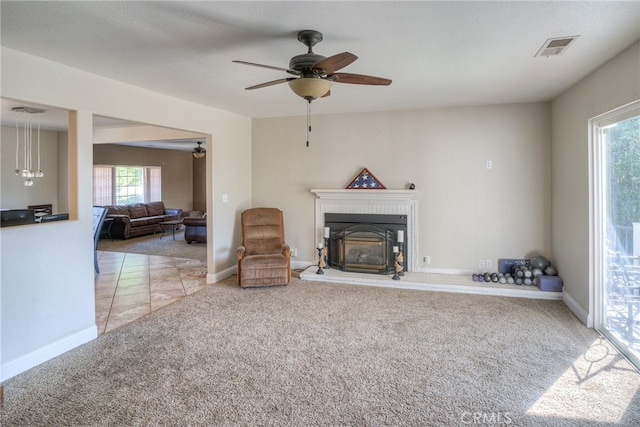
(615, 207)
(149, 270)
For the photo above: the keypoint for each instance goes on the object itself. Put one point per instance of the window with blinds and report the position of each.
(122, 185)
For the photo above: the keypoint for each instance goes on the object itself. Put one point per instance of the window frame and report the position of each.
(598, 193)
(151, 184)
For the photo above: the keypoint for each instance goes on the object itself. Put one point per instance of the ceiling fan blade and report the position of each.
(334, 63)
(360, 79)
(326, 94)
(271, 67)
(271, 83)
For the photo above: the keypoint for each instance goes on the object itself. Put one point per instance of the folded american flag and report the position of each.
(365, 180)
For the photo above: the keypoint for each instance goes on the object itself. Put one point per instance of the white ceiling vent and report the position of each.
(556, 46)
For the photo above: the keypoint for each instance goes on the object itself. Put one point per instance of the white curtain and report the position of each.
(152, 184)
(102, 185)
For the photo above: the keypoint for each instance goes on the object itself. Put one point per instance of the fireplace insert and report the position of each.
(364, 242)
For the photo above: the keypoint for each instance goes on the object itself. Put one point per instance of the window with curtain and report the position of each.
(121, 185)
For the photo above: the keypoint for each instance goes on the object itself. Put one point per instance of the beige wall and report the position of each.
(13, 194)
(614, 84)
(466, 212)
(177, 177)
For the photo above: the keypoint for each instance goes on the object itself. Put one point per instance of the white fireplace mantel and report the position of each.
(384, 202)
(371, 194)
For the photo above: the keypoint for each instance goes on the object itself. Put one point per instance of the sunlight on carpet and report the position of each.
(577, 386)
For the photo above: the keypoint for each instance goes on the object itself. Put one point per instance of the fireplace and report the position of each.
(364, 242)
(375, 202)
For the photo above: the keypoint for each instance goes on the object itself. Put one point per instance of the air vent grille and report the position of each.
(556, 46)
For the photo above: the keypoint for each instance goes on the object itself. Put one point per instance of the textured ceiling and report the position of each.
(437, 53)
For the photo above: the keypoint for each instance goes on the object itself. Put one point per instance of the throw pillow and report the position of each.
(137, 211)
(155, 208)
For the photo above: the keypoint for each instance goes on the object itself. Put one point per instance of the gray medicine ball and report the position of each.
(539, 262)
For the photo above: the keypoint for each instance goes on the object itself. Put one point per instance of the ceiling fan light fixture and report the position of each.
(310, 88)
(199, 152)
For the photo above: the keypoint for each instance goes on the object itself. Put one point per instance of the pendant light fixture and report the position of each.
(27, 171)
(199, 152)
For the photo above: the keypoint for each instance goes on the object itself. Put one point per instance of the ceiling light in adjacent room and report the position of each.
(27, 172)
(199, 152)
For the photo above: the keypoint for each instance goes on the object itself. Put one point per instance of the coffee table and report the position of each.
(173, 225)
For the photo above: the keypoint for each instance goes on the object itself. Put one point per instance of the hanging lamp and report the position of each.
(27, 171)
(199, 152)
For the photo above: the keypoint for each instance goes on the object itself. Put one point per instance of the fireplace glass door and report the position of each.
(362, 248)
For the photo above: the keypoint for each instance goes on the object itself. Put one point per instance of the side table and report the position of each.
(173, 224)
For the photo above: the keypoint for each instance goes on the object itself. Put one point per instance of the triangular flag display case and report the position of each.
(365, 180)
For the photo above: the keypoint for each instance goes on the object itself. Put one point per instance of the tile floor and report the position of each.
(130, 286)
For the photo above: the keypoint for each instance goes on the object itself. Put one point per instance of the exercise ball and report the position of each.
(539, 262)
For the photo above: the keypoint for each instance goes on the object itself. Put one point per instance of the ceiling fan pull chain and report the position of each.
(308, 120)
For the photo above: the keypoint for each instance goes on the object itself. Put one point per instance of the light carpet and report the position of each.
(325, 354)
(152, 244)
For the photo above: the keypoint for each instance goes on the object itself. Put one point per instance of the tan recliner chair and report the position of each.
(264, 259)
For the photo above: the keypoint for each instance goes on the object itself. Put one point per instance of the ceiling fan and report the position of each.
(316, 73)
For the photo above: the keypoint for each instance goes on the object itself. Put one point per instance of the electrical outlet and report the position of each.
(294, 252)
(489, 164)
(481, 263)
(427, 259)
(488, 263)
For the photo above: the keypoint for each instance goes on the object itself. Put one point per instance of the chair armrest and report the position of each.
(120, 218)
(175, 212)
(194, 220)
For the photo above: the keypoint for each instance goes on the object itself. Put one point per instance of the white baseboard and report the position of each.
(227, 272)
(47, 352)
(300, 265)
(577, 310)
(446, 271)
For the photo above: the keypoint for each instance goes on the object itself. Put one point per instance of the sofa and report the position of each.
(139, 219)
(195, 229)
